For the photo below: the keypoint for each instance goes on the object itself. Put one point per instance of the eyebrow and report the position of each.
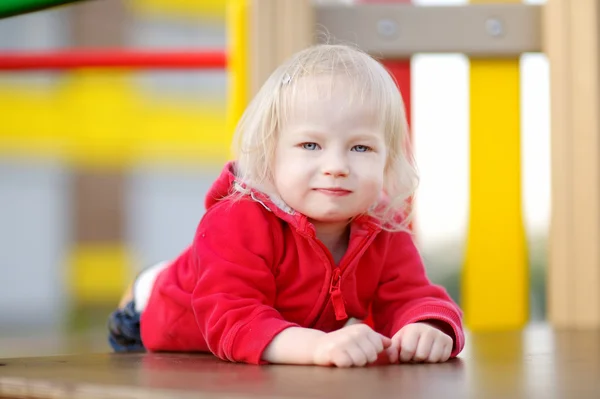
(366, 136)
(316, 133)
(308, 130)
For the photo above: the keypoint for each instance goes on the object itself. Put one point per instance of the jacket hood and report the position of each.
(222, 186)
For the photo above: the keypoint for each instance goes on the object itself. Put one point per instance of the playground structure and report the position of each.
(261, 34)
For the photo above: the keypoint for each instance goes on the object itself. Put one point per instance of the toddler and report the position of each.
(305, 235)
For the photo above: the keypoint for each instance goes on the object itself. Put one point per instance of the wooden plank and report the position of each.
(262, 50)
(401, 30)
(572, 45)
(585, 95)
(495, 282)
(99, 207)
(279, 28)
(295, 21)
(99, 265)
(534, 363)
(557, 45)
(91, 19)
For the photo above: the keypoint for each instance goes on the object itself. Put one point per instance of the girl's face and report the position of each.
(331, 153)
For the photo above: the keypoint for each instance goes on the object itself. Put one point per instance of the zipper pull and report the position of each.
(336, 295)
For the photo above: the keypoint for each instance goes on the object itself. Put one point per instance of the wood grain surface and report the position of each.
(534, 363)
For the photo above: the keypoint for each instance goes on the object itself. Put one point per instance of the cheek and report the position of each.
(290, 176)
(374, 182)
(375, 188)
(375, 172)
(290, 169)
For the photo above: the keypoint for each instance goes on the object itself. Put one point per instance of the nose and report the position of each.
(335, 165)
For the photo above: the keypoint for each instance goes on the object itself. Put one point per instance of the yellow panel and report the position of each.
(237, 25)
(207, 8)
(97, 119)
(495, 285)
(99, 273)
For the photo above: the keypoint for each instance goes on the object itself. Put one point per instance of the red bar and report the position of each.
(400, 70)
(72, 59)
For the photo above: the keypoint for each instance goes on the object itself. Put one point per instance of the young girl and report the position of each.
(304, 234)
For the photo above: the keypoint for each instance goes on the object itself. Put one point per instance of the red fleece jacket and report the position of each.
(254, 270)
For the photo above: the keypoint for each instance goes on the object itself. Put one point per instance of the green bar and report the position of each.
(10, 8)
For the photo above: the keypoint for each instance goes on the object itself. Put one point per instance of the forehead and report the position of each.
(329, 100)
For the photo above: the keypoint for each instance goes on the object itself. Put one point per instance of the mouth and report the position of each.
(336, 192)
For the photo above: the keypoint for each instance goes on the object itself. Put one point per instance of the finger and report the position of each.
(359, 358)
(424, 347)
(408, 346)
(352, 321)
(387, 342)
(341, 358)
(379, 341)
(393, 353)
(437, 351)
(370, 348)
(447, 352)
(396, 338)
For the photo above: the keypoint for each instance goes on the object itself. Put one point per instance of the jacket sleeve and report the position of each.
(405, 295)
(233, 300)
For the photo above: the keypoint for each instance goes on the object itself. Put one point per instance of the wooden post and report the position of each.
(278, 29)
(100, 261)
(571, 41)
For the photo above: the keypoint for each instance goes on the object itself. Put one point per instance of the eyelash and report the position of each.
(367, 148)
(304, 146)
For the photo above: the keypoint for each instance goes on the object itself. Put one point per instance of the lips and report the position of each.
(334, 191)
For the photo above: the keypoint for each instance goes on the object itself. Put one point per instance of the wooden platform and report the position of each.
(535, 363)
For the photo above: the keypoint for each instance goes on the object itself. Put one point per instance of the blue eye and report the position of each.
(310, 146)
(361, 148)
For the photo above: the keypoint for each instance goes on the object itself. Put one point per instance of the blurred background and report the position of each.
(103, 172)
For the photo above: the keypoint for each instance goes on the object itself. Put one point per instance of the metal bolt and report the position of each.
(494, 27)
(387, 27)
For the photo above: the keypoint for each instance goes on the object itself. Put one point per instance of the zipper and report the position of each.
(335, 289)
(336, 295)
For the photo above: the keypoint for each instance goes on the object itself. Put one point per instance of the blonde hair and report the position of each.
(256, 134)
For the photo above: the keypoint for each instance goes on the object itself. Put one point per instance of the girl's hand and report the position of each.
(420, 342)
(354, 345)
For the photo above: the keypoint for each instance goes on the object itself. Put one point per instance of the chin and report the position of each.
(330, 218)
